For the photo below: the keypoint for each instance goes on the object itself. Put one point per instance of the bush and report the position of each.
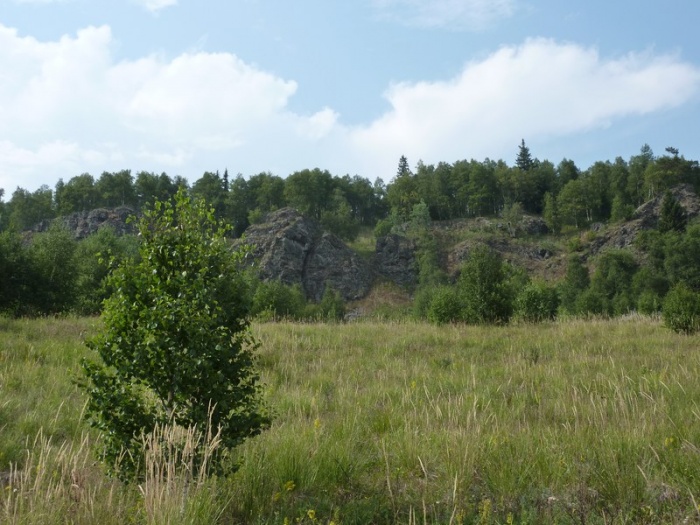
(681, 309)
(331, 307)
(383, 227)
(649, 303)
(176, 348)
(537, 302)
(445, 306)
(275, 300)
(484, 288)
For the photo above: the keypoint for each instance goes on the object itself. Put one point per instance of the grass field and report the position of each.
(571, 422)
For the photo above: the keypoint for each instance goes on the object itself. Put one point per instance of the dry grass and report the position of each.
(571, 422)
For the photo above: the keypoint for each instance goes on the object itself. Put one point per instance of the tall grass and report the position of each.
(571, 422)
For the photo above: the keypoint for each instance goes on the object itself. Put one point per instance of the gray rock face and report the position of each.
(645, 217)
(395, 259)
(332, 263)
(295, 250)
(86, 223)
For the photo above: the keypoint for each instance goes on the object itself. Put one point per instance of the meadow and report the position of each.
(575, 421)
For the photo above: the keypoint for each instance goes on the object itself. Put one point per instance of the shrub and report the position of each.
(383, 227)
(537, 302)
(681, 309)
(484, 288)
(445, 306)
(176, 347)
(274, 300)
(649, 302)
(332, 306)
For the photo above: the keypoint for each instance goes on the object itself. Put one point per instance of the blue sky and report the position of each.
(349, 86)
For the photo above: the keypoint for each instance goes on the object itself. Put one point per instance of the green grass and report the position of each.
(569, 422)
(364, 244)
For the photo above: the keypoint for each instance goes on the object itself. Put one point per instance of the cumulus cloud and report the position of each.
(540, 89)
(69, 106)
(456, 14)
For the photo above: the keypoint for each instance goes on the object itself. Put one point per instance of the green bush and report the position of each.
(331, 307)
(275, 300)
(485, 289)
(591, 302)
(421, 301)
(383, 227)
(175, 348)
(445, 306)
(681, 309)
(537, 302)
(649, 302)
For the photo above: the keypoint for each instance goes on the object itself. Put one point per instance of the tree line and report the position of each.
(55, 273)
(564, 194)
(341, 204)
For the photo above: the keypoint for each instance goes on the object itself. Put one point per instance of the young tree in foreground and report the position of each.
(176, 347)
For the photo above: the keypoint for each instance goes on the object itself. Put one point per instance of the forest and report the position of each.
(54, 273)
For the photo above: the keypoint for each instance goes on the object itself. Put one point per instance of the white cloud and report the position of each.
(68, 106)
(156, 5)
(541, 89)
(456, 14)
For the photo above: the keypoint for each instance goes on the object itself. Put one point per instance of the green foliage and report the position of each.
(176, 347)
(681, 309)
(550, 213)
(682, 256)
(575, 282)
(338, 218)
(92, 262)
(275, 300)
(513, 215)
(524, 159)
(331, 307)
(485, 292)
(445, 305)
(309, 191)
(15, 275)
(649, 303)
(384, 227)
(537, 302)
(620, 211)
(673, 216)
(612, 281)
(649, 286)
(52, 260)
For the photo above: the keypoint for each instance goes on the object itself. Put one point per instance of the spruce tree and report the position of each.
(673, 216)
(524, 160)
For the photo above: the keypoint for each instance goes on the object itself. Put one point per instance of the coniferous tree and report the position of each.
(524, 159)
(673, 216)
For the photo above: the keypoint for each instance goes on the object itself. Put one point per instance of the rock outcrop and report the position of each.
(85, 223)
(395, 260)
(645, 217)
(289, 247)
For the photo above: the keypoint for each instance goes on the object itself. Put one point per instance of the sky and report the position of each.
(185, 86)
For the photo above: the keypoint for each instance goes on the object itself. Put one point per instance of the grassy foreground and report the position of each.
(570, 422)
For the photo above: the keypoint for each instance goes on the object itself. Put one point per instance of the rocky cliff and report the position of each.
(289, 247)
(85, 223)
